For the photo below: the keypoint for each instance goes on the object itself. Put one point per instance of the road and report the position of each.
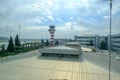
(102, 59)
(98, 58)
(31, 66)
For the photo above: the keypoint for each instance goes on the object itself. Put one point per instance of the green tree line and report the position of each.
(15, 47)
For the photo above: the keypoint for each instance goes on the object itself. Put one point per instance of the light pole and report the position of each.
(19, 30)
(110, 39)
(41, 38)
(41, 35)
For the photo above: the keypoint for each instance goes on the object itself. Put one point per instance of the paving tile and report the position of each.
(48, 68)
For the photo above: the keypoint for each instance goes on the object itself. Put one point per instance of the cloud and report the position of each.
(69, 16)
(50, 3)
(51, 18)
(106, 17)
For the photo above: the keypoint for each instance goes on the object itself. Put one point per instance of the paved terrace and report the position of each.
(52, 68)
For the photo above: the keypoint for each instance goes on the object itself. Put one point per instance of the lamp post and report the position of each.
(41, 35)
(110, 39)
(19, 30)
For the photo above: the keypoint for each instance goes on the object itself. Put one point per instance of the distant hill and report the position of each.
(3, 38)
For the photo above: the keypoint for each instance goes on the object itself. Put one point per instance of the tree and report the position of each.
(106, 43)
(91, 43)
(57, 42)
(102, 45)
(3, 47)
(10, 47)
(17, 41)
(2, 52)
(42, 42)
(47, 43)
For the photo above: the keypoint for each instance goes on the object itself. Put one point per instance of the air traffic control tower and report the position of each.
(52, 31)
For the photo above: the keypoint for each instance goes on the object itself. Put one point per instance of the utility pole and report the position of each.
(41, 38)
(110, 39)
(41, 35)
(19, 30)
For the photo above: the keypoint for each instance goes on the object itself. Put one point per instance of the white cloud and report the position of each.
(50, 3)
(106, 17)
(116, 7)
(48, 11)
(59, 19)
(51, 18)
(70, 16)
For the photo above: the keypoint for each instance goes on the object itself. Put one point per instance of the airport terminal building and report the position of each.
(86, 39)
(115, 42)
(97, 39)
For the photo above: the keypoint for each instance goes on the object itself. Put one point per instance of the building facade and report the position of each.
(86, 39)
(115, 42)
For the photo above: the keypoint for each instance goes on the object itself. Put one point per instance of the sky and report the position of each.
(70, 17)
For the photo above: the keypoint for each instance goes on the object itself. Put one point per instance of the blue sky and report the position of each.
(71, 17)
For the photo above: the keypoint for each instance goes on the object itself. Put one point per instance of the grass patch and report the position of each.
(12, 53)
(3, 54)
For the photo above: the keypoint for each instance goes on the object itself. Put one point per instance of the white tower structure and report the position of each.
(52, 31)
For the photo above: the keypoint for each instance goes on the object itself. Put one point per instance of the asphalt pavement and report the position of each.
(102, 59)
(31, 66)
(99, 58)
